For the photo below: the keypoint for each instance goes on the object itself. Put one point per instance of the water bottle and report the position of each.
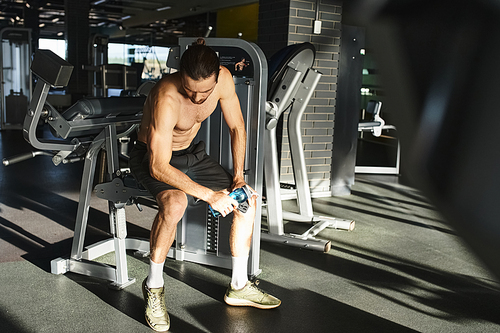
(241, 195)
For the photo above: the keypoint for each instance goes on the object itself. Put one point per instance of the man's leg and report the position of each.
(171, 207)
(242, 292)
(240, 239)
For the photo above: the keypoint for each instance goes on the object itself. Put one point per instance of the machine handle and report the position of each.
(23, 157)
(271, 115)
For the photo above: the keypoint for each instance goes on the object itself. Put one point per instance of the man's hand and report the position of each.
(237, 183)
(222, 202)
(240, 182)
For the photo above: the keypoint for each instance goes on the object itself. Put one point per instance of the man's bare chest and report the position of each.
(190, 115)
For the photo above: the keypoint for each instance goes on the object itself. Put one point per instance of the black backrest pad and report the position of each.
(278, 63)
(105, 107)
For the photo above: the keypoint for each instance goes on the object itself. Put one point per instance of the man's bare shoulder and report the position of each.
(167, 86)
(164, 98)
(226, 82)
(225, 75)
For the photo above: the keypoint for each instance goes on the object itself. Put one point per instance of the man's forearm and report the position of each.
(238, 148)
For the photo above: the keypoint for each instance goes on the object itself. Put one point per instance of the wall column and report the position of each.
(77, 39)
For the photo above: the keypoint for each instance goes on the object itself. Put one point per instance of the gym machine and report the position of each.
(81, 132)
(291, 85)
(104, 76)
(15, 76)
(251, 84)
(96, 124)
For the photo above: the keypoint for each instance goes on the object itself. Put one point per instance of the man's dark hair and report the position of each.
(199, 61)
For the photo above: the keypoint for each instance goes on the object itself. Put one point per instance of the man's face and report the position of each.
(198, 91)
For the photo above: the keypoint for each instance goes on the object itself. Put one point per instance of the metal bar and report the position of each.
(310, 244)
(106, 246)
(81, 127)
(117, 219)
(302, 98)
(33, 117)
(288, 89)
(121, 260)
(85, 193)
(271, 173)
(204, 259)
(111, 149)
(92, 268)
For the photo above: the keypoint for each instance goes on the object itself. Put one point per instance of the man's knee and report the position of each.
(172, 203)
(249, 213)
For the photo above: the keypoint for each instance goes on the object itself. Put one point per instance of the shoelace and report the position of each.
(156, 303)
(254, 285)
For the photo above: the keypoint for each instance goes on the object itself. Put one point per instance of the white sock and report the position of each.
(155, 277)
(240, 276)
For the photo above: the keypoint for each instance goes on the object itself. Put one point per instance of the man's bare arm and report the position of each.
(231, 109)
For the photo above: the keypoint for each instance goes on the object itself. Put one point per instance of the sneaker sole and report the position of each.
(243, 302)
(155, 329)
(144, 294)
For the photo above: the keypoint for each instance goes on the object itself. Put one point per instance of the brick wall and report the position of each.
(318, 119)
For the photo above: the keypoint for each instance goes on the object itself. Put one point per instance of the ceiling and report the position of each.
(154, 22)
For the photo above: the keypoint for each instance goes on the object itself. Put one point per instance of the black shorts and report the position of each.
(193, 161)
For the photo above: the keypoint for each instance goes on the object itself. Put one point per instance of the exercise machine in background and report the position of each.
(80, 133)
(376, 125)
(291, 85)
(15, 76)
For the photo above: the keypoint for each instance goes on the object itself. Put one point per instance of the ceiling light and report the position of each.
(55, 20)
(163, 8)
(98, 2)
(7, 18)
(60, 33)
(41, 25)
(126, 17)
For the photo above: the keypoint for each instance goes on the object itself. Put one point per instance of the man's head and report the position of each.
(199, 69)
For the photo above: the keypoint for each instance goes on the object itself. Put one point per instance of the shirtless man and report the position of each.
(170, 165)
